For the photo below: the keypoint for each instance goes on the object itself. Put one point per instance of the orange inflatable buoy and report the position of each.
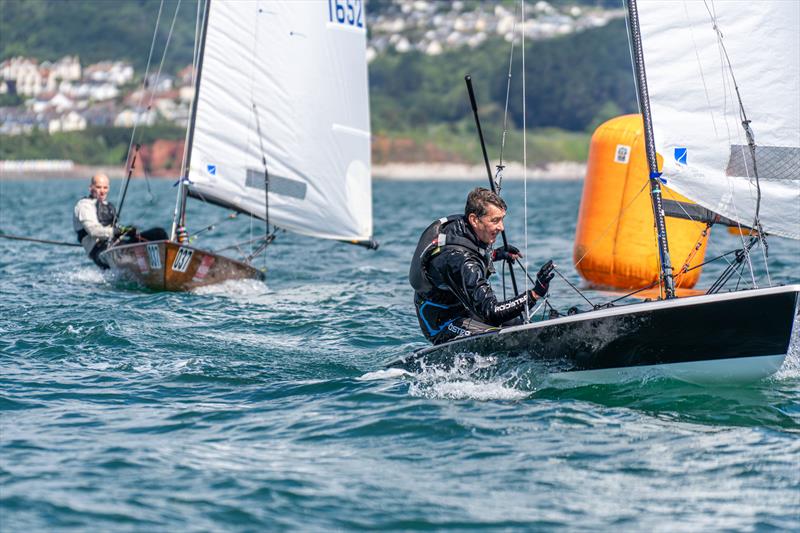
(615, 239)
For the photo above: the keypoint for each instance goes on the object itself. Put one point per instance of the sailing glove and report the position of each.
(506, 252)
(543, 278)
(128, 231)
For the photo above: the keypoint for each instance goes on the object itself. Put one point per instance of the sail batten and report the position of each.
(696, 59)
(286, 83)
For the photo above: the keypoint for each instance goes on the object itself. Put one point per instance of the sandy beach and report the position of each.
(564, 170)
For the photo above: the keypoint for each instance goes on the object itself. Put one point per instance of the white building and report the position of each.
(71, 121)
(135, 117)
(115, 73)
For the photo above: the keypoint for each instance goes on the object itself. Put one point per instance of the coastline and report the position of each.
(557, 171)
(562, 170)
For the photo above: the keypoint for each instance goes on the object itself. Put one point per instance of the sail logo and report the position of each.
(212, 169)
(680, 156)
(622, 154)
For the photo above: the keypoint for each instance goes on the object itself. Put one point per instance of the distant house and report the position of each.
(160, 84)
(25, 72)
(135, 117)
(16, 121)
(186, 93)
(90, 90)
(102, 114)
(32, 78)
(51, 102)
(71, 121)
(186, 76)
(114, 72)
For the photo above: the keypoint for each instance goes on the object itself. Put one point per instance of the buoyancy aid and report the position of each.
(432, 242)
(106, 215)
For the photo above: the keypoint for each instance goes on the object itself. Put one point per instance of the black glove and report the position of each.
(124, 231)
(543, 278)
(505, 252)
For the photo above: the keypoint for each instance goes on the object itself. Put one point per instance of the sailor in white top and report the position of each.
(94, 219)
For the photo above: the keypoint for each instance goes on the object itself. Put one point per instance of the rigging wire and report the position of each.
(163, 58)
(700, 68)
(121, 197)
(757, 230)
(610, 224)
(524, 156)
(498, 177)
(195, 60)
(260, 137)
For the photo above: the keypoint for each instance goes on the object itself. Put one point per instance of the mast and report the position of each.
(650, 146)
(474, 104)
(179, 217)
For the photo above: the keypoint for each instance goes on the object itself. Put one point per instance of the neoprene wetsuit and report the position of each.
(461, 300)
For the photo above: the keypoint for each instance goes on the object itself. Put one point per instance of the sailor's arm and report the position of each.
(482, 300)
(86, 214)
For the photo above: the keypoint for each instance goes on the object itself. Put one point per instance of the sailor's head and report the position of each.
(99, 187)
(485, 211)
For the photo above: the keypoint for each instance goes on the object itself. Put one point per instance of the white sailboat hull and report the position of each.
(704, 372)
(731, 337)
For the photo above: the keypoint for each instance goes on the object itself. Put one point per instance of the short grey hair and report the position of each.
(479, 199)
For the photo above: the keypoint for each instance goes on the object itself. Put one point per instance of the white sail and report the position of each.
(286, 83)
(696, 117)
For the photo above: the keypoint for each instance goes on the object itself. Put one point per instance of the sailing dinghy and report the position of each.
(728, 128)
(279, 130)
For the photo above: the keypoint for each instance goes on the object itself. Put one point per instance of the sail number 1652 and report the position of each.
(350, 12)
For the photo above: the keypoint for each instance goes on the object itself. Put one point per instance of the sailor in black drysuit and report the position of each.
(451, 268)
(94, 222)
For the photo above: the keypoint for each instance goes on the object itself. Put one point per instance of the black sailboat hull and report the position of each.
(742, 336)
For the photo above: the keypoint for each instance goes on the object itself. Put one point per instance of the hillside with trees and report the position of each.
(419, 103)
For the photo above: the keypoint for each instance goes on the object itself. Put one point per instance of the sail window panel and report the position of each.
(277, 184)
(773, 162)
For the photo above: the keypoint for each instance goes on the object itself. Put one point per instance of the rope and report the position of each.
(238, 244)
(213, 225)
(573, 287)
(692, 253)
(39, 241)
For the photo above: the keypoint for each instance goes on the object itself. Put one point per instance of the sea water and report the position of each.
(266, 406)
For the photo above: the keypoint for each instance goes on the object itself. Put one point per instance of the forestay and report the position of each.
(696, 116)
(286, 81)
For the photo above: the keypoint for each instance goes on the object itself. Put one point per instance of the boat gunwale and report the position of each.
(194, 248)
(621, 310)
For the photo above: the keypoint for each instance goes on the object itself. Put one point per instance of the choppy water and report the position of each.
(257, 406)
